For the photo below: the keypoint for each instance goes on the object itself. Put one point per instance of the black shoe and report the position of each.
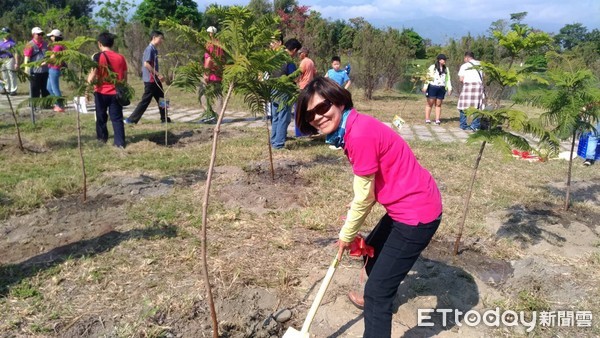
(13, 94)
(168, 120)
(588, 163)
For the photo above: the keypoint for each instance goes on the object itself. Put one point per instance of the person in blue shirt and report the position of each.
(281, 110)
(340, 76)
(153, 88)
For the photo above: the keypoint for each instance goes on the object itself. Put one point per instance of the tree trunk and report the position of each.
(270, 150)
(14, 115)
(211, 166)
(568, 196)
(166, 122)
(461, 225)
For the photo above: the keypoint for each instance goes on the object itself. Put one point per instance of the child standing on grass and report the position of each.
(337, 74)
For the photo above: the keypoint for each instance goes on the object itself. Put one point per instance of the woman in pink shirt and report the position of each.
(53, 85)
(385, 171)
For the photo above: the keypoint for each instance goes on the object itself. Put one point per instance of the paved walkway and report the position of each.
(446, 132)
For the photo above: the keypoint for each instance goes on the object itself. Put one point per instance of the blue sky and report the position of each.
(558, 12)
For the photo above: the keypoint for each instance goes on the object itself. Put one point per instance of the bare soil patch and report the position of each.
(47, 233)
(260, 275)
(254, 189)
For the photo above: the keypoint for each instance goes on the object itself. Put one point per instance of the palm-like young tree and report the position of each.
(75, 74)
(244, 40)
(503, 120)
(571, 99)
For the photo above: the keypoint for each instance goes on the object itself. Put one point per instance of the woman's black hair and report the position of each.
(441, 69)
(58, 38)
(329, 90)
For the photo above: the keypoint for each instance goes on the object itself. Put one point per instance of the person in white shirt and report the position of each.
(471, 94)
(435, 88)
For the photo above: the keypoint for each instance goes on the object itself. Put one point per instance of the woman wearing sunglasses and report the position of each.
(385, 171)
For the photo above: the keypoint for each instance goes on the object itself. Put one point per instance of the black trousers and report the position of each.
(109, 103)
(397, 247)
(38, 84)
(152, 90)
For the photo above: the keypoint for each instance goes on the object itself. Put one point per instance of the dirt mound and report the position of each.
(254, 190)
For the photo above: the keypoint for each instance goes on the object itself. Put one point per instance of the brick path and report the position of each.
(446, 132)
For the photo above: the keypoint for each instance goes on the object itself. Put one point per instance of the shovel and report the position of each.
(303, 333)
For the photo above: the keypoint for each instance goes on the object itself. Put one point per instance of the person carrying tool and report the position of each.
(385, 171)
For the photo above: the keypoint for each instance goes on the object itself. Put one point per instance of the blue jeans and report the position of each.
(397, 247)
(475, 124)
(53, 85)
(115, 111)
(592, 143)
(281, 116)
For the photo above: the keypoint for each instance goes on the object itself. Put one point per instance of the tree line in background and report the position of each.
(385, 58)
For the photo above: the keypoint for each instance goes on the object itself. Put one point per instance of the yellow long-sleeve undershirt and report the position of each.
(364, 198)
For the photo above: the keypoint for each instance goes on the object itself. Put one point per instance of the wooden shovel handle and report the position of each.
(317, 302)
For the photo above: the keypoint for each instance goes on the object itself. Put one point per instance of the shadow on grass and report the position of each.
(71, 142)
(580, 191)
(526, 226)
(452, 286)
(402, 96)
(13, 274)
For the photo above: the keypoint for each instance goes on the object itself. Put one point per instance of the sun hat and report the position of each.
(55, 32)
(211, 29)
(36, 30)
(441, 57)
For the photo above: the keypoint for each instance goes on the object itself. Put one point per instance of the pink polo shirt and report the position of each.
(57, 48)
(406, 190)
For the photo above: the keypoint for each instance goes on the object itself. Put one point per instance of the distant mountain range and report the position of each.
(439, 30)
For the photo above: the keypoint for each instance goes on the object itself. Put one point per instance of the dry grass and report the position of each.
(145, 286)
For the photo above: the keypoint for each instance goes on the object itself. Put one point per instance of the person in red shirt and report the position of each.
(104, 90)
(213, 58)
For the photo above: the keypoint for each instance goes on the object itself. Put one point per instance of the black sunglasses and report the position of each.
(320, 109)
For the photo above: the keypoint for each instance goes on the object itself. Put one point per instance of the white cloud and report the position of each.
(560, 11)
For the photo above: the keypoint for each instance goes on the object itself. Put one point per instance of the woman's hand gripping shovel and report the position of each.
(357, 248)
(303, 333)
